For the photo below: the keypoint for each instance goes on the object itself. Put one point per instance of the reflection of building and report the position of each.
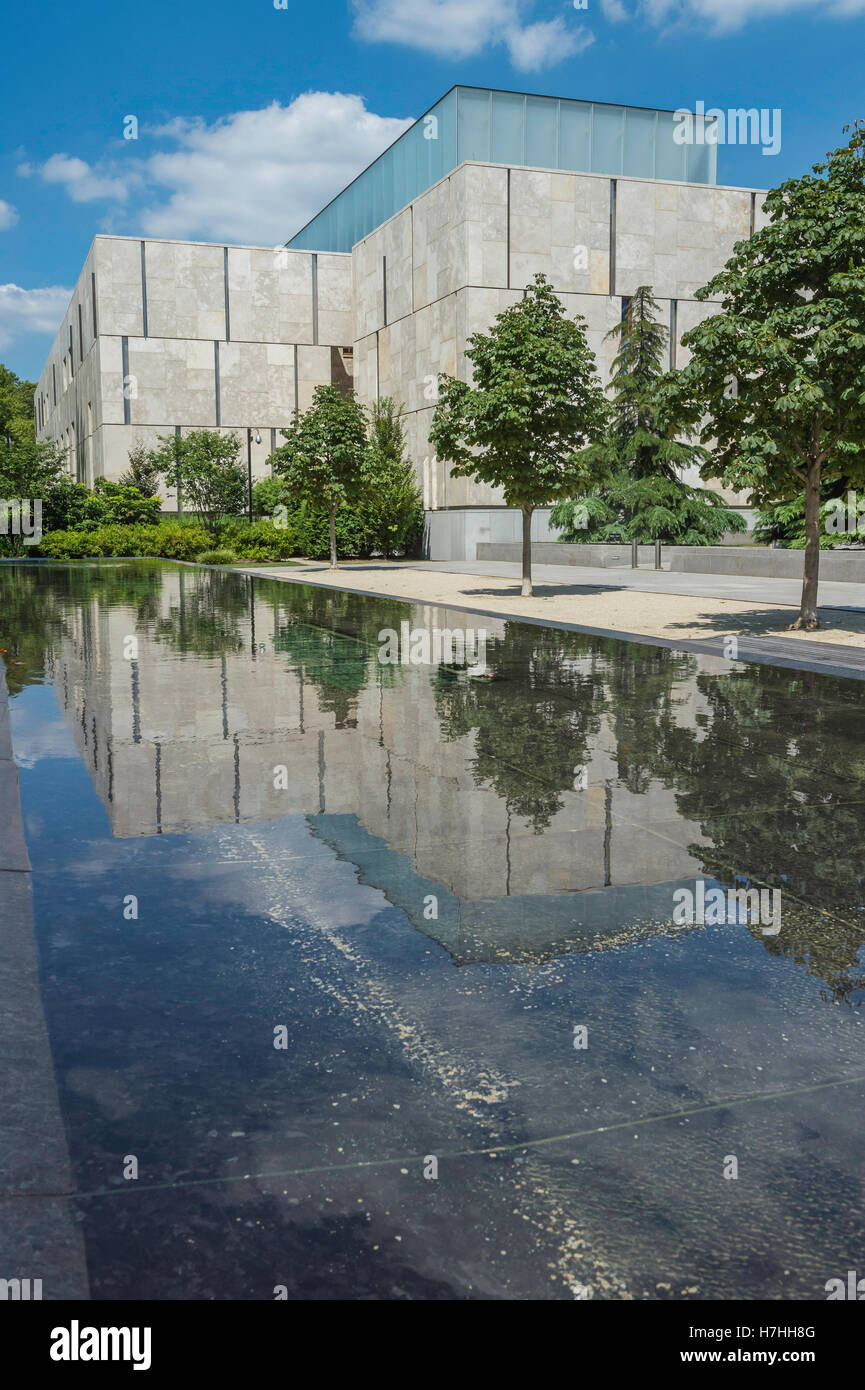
(440, 234)
(174, 741)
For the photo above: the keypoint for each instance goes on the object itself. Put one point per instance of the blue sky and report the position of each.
(250, 116)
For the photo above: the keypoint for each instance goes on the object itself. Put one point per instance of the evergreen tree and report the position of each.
(390, 488)
(643, 498)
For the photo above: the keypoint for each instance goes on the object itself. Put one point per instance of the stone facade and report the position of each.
(167, 334)
(467, 247)
(230, 337)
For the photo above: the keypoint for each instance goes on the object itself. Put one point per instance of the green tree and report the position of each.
(323, 454)
(644, 499)
(31, 471)
(16, 400)
(778, 376)
(390, 487)
(142, 472)
(534, 406)
(208, 467)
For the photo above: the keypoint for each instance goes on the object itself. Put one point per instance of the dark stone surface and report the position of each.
(39, 1237)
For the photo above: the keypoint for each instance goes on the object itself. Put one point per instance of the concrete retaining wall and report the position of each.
(558, 553)
(844, 566)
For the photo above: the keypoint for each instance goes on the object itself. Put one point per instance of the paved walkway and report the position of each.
(745, 588)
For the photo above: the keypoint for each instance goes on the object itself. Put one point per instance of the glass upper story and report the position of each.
(476, 123)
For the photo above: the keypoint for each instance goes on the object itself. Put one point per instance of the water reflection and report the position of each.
(552, 808)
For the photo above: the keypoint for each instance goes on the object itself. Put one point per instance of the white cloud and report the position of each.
(8, 215)
(30, 311)
(253, 176)
(614, 11)
(462, 28)
(82, 183)
(541, 45)
(725, 16)
(258, 176)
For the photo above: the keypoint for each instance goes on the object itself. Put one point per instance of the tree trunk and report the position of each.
(527, 551)
(333, 563)
(808, 611)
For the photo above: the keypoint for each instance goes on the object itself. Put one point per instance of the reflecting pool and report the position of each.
(378, 970)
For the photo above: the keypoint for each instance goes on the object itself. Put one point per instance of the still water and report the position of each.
(373, 971)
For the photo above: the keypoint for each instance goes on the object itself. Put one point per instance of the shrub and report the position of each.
(169, 542)
(123, 503)
(268, 494)
(263, 540)
(182, 542)
(387, 520)
(66, 545)
(70, 506)
(216, 557)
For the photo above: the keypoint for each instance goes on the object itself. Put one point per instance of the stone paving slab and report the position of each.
(39, 1237)
(13, 847)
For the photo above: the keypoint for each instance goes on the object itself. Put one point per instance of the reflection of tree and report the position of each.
(643, 705)
(331, 639)
(775, 776)
(532, 716)
(209, 616)
(37, 599)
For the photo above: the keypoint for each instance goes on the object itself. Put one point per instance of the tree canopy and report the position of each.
(777, 378)
(323, 454)
(532, 407)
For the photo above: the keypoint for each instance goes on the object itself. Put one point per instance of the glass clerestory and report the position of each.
(475, 123)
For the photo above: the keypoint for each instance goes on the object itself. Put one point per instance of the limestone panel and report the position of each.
(185, 290)
(172, 382)
(335, 316)
(118, 285)
(256, 382)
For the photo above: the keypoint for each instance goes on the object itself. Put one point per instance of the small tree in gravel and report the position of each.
(534, 406)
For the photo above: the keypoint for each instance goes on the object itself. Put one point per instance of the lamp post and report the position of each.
(249, 466)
